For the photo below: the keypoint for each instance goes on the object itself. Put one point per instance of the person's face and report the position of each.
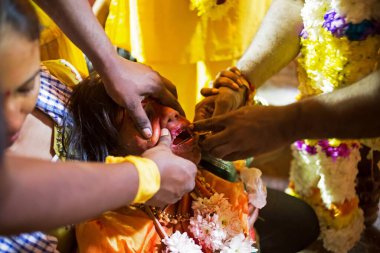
(184, 143)
(19, 79)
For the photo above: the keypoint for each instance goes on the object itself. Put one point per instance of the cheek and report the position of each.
(31, 99)
(134, 144)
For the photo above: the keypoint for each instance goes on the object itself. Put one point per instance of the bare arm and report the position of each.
(36, 194)
(351, 112)
(275, 44)
(42, 195)
(125, 81)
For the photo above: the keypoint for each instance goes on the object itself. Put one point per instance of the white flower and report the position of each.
(257, 192)
(208, 231)
(239, 244)
(181, 243)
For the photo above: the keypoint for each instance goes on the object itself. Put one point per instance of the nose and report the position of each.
(13, 116)
(169, 117)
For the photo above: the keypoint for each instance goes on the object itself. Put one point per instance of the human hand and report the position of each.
(177, 174)
(224, 101)
(230, 91)
(248, 131)
(128, 83)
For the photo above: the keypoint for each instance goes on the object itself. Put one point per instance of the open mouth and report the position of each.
(184, 136)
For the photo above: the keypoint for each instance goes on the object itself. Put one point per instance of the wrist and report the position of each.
(105, 61)
(148, 174)
(293, 125)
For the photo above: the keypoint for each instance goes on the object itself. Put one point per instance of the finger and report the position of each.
(206, 92)
(165, 138)
(204, 109)
(212, 141)
(170, 86)
(231, 75)
(226, 82)
(139, 118)
(165, 97)
(235, 70)
(212, 124)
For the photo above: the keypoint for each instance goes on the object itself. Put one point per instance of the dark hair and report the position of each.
(93, 131)
(21, 17)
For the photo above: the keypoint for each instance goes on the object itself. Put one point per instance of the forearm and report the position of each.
(78, 22)
(43, 195)
(351, 112)
(275, 44)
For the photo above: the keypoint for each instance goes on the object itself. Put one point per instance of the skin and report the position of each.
(264, 129)
(161, 117)
(125, 81)
(76, 190)
(22, 84)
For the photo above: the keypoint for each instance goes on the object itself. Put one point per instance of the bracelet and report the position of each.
(149, 176)
(251, 89)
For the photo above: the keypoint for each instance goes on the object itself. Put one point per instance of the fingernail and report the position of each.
(147, 132)
(165, 132)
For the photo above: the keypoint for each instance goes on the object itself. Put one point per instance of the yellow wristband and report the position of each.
(149, 176)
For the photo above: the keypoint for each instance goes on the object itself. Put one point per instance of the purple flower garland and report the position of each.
(339, 27)
(343, 150)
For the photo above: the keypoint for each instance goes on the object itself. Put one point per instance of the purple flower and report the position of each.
(335, 24)
(338, 26)
(302, 146)
(304, 34)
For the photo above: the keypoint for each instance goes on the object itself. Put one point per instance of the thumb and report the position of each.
(140, 119)
(165, 138)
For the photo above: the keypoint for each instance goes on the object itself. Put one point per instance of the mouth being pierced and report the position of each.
(183, 136)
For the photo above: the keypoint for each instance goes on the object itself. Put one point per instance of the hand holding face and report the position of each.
(128, 83)
(177, 174)
(248, 131)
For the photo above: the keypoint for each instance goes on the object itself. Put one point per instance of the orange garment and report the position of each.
(131, 230)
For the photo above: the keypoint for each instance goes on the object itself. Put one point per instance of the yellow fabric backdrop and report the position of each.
(184, 47)
(55, 45)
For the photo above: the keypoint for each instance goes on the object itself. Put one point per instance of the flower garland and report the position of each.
(340, 44)
(335, 53)
(213, 9)
(216, 226)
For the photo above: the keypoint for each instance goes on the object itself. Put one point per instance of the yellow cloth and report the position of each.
(63, 71)
(131, 230)
(55, 45)
(149, 176)
(186, 48)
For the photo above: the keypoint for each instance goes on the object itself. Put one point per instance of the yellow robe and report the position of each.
(186, 48)
(55, 45)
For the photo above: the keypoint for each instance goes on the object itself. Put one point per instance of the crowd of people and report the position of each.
(111, 157)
